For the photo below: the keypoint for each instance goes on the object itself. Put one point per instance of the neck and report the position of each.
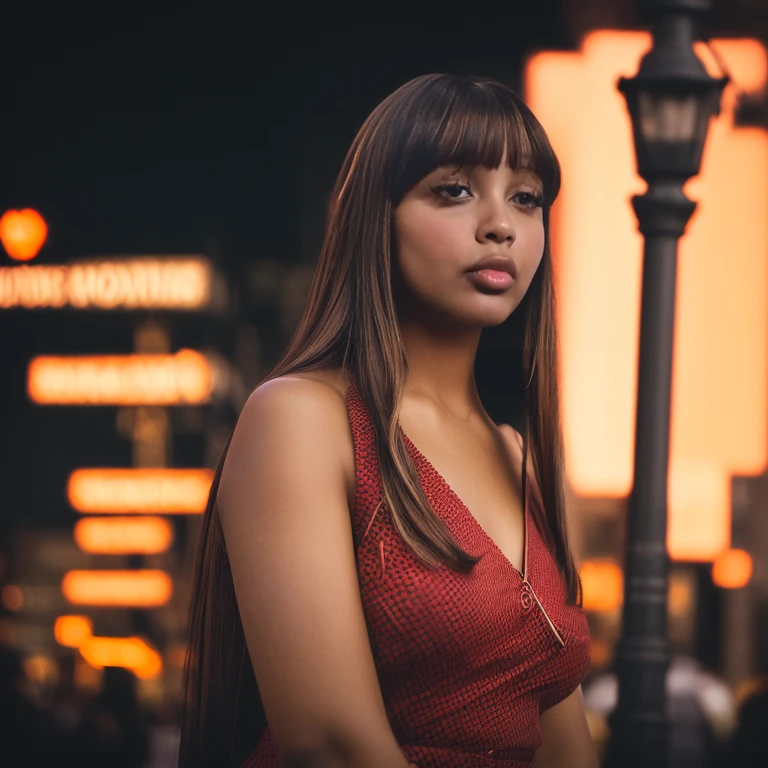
(441, 368)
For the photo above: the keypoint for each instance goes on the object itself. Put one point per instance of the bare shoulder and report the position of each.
(284, 510)
(513, 442)
(336, 378)
(308, 407)
(512, 437)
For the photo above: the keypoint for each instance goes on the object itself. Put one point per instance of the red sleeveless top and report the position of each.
(466, 663)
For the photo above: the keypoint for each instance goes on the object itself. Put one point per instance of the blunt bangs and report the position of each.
(454, 120)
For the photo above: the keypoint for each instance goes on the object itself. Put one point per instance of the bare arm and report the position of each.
(288, 532)
(566, 740)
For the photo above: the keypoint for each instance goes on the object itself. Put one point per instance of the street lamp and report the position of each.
(670, 100)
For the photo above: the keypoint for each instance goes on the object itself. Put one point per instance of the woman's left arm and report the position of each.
(566, 740)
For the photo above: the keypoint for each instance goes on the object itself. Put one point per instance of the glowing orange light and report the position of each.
(41, 669)
(140, 589)
(602, 583)
(681, 595)
(178, 283)
(23, 233)
(87, 677)
(127, 652)
(732, 569)
(166, 491)
(597, 257)
(12, 597)
(118, 536)
(600, 652)
(185, 378)
(72, 631)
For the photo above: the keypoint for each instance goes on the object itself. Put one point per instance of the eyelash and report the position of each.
(537, 199)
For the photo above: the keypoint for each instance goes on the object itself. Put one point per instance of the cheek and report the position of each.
(531, 250)
(426, 238)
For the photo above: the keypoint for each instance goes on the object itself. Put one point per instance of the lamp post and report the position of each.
(670, 101)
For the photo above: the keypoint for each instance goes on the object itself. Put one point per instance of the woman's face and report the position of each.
(447, 222)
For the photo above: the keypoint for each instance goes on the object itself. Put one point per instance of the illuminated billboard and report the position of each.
(136, 589)
(127, 652)
(121, 536)
(184, 378)
(137, 491)
(148, 282)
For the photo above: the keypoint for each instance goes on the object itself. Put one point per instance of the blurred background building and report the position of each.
(180, 164)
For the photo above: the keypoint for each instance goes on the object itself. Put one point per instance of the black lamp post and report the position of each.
(670, 101)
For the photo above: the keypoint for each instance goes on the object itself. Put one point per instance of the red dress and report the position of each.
(466, 664)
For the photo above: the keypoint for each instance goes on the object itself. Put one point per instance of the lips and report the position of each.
(495, 262)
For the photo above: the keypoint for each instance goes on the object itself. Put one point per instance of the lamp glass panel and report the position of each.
(668, 118)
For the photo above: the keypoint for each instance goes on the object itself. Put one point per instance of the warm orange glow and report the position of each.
(162, 491)
(732, 569)
(120, 536)
(720, 356)
(140, 589)
(185, 378)
(72, 631)
(699, 497)
(12, 597)
(600, 652)
(680, 596)
(23, 233)
(127, 652)
(87, 677)
(178, 283)
(602, 582)
(41, 670)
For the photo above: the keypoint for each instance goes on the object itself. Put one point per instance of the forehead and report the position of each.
(473, 137)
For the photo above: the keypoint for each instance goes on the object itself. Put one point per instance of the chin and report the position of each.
(489, 317)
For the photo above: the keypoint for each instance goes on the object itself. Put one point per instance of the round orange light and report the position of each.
(732, 569)
(72, 631)
(22, 233)
(12, 597)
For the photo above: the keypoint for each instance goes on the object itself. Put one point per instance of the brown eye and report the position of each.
(530, 199)
(450, 191)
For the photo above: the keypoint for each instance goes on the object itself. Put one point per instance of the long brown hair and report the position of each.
(350, 320)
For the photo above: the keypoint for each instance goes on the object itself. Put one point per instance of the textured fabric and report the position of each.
(466, 663)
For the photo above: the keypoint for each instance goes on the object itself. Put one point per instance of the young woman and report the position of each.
(361, 601)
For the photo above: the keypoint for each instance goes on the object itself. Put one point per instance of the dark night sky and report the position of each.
(197, 130)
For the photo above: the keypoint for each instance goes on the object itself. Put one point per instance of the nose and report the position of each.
(496, 225)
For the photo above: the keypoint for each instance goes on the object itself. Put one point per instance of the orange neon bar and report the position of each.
(138, 589)
(121, 536)
(126, 491)
(127, 652)
(177, 283)
(185, 378)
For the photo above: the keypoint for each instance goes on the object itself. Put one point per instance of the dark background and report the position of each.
(196, 130)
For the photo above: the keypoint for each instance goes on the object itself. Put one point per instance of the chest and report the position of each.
(481, 470)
